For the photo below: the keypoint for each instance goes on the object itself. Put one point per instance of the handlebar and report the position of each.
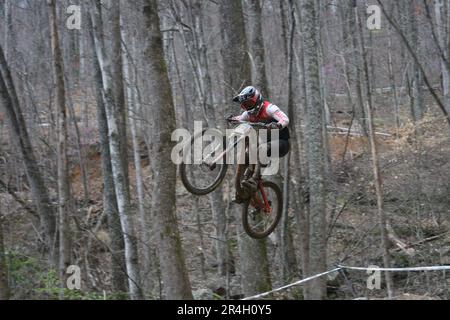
(259, 125)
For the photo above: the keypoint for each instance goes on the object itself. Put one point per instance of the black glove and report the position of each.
(231, 118)
(273, 126)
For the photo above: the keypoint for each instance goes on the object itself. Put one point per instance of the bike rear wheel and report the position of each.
(199, 178)
(257, 221)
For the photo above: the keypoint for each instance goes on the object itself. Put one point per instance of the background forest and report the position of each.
(91, 91)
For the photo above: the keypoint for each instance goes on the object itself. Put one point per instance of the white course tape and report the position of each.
(432, 268)
(293, 284)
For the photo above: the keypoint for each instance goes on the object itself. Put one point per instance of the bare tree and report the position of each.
(375, 160)
(120, 182)
(256, 45)
(63, 178)
(416, 60)
(113, 16)
(299, 201)
(253, 253)
(173, 269)
(197, 52)
(237, 72)
(417, 106)
(133, 106)
(8, 27)
(10, 101)
(118, 266)
(317, 231)
(441, 36)
(356, 70)
(4, 285)
(287, 250)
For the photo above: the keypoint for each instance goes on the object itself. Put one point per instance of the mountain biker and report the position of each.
(256, 109)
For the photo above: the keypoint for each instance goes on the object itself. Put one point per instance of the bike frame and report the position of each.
(264, 204)
(240, 135)
(256, 201)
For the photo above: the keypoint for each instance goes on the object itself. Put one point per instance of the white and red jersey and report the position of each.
(269, 113)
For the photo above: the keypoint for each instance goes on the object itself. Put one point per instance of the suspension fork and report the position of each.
(267, 207)
(264, 203)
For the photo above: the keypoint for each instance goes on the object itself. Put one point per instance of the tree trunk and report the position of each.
(41, 199)
(299, 144)
(83, 76)
(380, 204)
(393, 84)
(173, 269)
(224, 257)
(63, 177)
(4, 286)
(113, 16)
(288, 259)
(197, 52)
(81, 152)
(220, 223)
(132, 99)
(256, 45)
(376, 166)
(118, 265)
(316, 159)
(254, 268)
(416, 74)
(441, 11)
(7, 27)
(357, 74)
(237, 73)
(120, 182)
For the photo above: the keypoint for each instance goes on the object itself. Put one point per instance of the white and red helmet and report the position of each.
(250, 99)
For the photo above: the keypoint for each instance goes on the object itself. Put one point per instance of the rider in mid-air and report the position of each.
(256, 109)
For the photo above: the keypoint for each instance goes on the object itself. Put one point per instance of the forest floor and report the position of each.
(416, 177)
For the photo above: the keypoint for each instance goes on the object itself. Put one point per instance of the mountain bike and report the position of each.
(261, 210)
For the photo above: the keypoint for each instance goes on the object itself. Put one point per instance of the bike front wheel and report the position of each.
(200, 178)
(261, 214)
